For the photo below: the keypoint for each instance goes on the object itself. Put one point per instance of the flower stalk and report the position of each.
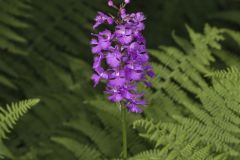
(124, 131)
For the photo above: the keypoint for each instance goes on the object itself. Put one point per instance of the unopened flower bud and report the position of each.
(127, 1)
(110, 3)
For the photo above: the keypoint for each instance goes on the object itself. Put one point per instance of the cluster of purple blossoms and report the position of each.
(121, 57)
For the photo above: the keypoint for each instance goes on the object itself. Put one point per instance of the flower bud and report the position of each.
(127, 1)
(110, 3)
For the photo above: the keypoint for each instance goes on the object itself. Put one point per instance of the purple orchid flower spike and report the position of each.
(124, 55)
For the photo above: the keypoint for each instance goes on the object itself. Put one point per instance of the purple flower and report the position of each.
(134, 71)
(99, 75)
(113, 58)
(117, 78)
(102, 18)
(121, 58)
(134, 108)
(124, 34)
(97, 61)
(115, 94)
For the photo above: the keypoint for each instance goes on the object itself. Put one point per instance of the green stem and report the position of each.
(124, 131)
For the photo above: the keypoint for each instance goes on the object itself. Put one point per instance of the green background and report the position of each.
(45, 53)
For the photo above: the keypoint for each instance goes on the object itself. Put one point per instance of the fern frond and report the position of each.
(148, 155)
(81, 152)
(10, 115)
(4, 151)
(10, 23)
(212, 131)
(234, 34)
(180, 72)
(101, 138)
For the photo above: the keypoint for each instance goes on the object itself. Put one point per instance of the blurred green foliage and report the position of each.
(45, 53)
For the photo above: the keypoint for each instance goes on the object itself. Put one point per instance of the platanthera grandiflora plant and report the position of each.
(121, 59)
